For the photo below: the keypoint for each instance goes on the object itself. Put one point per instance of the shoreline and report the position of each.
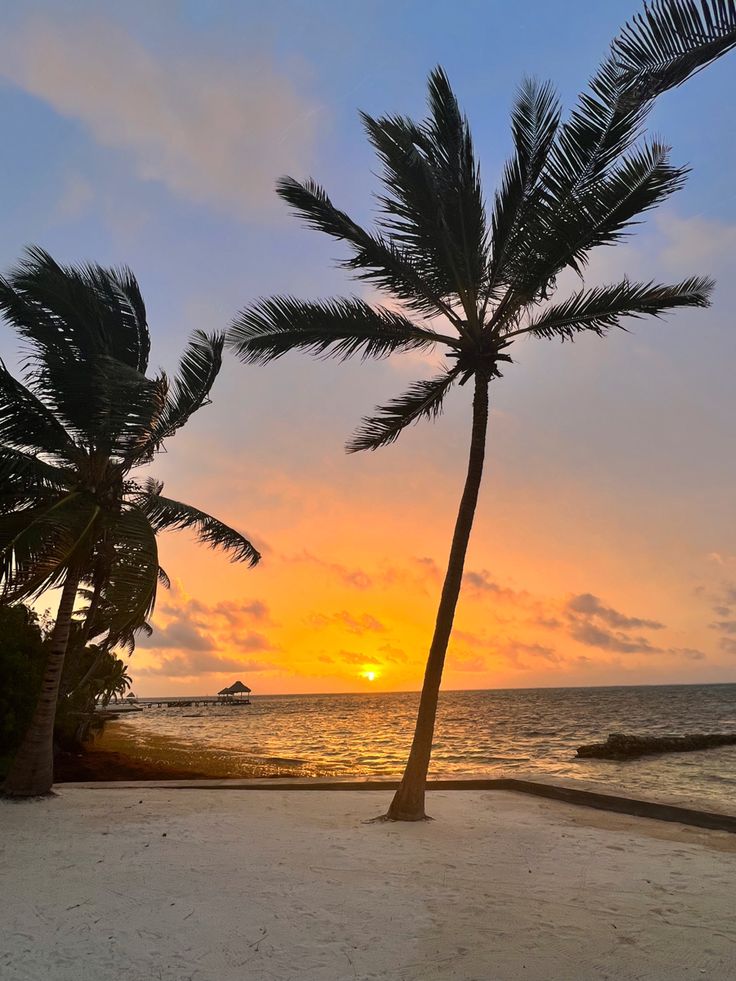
(99, 765)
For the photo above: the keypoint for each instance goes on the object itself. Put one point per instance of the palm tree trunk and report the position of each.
(32, 771)
(408, 802)
(80, 645)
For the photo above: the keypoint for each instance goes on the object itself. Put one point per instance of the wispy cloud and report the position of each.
(211, 131)
(355, 624)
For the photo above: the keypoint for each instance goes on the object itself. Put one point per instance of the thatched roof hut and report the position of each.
(239, 689)
(237, 692)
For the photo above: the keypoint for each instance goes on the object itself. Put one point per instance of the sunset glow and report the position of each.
(604, 546)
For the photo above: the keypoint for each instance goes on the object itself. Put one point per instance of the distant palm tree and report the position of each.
(115, 681)
(480, 285)
(83, 417)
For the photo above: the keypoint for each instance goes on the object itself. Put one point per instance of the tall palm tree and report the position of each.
(471, 286)
(81, 419)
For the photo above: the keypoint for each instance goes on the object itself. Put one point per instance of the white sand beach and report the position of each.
(226, 885)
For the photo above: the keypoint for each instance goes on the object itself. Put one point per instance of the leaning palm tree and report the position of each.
(471, 286)
(81, 419)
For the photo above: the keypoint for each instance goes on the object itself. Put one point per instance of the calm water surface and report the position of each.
(478, 732)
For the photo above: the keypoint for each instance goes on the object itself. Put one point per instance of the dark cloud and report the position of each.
(181, 634)
(229, 610)
(590, 605)
(593, 635)
(728, 645)
(724, 626)
(481, 582)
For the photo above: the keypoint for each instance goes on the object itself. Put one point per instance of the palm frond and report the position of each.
(163, 513)
(27, 424)
(122, 408)
(38, 544)
(423, 400)
(671, 40)
(658, 49)
(86, 311)
(340, 328)
(198, 369)
(563, 237)
(23, 476)
(375, 258)
(433, 205)
(129, 595)
(603, 307)
(458, 180)
(411, 210)
(534, 120)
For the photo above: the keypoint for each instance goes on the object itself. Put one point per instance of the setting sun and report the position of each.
(369, 675)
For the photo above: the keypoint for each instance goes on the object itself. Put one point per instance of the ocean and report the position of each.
(481, 733)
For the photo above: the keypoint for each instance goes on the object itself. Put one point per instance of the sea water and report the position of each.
(485, 733)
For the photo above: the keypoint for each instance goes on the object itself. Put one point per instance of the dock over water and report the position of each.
(190, 702)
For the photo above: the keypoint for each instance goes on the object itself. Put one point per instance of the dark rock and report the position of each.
(622, 746)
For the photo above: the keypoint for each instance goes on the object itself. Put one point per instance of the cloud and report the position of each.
(235, 612)
(393, 654)
(590, 605)
(352, 657)
(481, 582)
(595, 636)
(226, 611)
(725, 626)
(210, 131)
(195, 626)
(356, 578)
(180, 634)
(362, 624)
(190, 665)
(252, 642)
(695, 243)
(589, 621)
(691, 653)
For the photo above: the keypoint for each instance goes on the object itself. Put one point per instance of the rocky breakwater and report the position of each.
(623, 746)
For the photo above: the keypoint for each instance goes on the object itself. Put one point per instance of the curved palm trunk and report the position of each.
(32, 770)
(408, 802)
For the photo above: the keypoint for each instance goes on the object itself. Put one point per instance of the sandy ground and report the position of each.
(207, 885)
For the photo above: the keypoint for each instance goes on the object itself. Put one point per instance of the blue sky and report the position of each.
(150, 134)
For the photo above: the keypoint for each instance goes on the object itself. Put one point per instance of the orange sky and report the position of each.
(578, 573)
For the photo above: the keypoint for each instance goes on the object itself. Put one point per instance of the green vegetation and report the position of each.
(83, 417)
(22, 658)
(91, 673)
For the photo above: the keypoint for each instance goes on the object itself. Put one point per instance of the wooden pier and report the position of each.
(190, 702)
